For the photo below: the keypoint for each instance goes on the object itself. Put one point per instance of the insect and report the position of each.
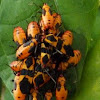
(24, 76)
(45, 55)
(56, 24)
(19, 36)
(68, 37)
(61, 91)
(40, 79)
(26, 49)
(73, 61)
(61, 46)
(19, 89)
(47, 18)
(35, 95)
(16, 66)
(33, 30)
(48, 95)
(25, 67)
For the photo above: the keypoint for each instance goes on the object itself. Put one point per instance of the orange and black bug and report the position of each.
(57, 20)
(45, 55)
(48, 95)
(61, 91)
(73, 61)
(35, 95)
(26, 49)
(16, 65)
(19, 36)
(47, 18)
(61, 46)
(68, 37)
(56, 24)
(25, 67)
(33, 30)
(18, 91)
(40, 79)
(24, 76)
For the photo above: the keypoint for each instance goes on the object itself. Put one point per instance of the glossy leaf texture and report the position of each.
(77, 15)
(90, 81)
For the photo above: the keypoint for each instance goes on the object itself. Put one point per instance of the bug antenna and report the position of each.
(27, 22)
(50, 76)
(11, 46)
(12, 80)
(7, 65)
(14, 73)
(37, 5)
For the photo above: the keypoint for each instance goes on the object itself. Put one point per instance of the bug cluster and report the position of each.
(43, 54)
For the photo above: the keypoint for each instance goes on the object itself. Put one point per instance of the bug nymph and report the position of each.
(48, 95)
(19, 36)
(33, 30)
(72, 61)
(47, 18)
(61, 91)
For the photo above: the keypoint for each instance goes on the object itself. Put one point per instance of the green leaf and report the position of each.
(77, 16)
(5, 93)
(90, 83)
(96, 32)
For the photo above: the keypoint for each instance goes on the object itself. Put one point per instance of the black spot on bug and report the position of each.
(39, 80)
(50, 12)
(27, 43)
(51, 38)
(17, 43)
(29, 62)
(69, 50)
(69, 35)
(44, 12)
(25, 86)
(44, 50)
(27, 72)
(29, 37)
(45, 59)
(31, 49)
(24, 40)
(38, 67)
(59, 44)
(57, 25)
(58, 86)
(18, 97)
(65, 87)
